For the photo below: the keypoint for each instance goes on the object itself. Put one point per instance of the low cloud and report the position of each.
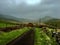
(45, 8)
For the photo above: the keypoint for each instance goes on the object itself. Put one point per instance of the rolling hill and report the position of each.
(12, 18)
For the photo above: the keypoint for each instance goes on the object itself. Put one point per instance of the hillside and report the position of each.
(46, 18)
(54, 22)
(12, 18)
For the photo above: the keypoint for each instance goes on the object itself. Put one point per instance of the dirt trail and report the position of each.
(25, 39)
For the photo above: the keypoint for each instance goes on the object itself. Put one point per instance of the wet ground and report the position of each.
(25, 39)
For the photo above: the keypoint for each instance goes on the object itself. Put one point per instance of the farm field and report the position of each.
(2, 25)
(41, 38)
(6, 37)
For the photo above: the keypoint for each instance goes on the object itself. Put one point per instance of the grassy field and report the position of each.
(5, 25)
(41, 38)
(7, 37)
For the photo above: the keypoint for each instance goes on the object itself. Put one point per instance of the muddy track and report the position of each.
(25, 39)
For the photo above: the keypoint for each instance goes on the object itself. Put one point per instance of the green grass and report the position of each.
(41, 38)
(5, 25)
(7, 37)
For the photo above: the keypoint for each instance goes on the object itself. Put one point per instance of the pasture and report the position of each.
(41, 37)
(6, 37)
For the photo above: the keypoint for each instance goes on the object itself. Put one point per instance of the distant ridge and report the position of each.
(12, 18)
(47, 18)
(7, 17)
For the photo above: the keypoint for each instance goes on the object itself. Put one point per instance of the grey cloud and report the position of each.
(47, 7)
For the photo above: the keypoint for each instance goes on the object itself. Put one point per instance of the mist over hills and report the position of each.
(12, 18)
(6, 17)
(47, 18)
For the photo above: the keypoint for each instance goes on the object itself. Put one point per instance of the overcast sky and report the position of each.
(30, 9)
